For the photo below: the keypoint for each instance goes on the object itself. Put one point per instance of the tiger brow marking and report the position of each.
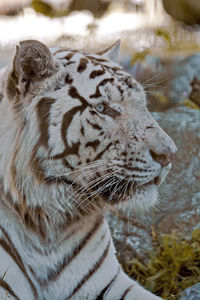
(52, 274)
(102, 83)
(102, 293)
(111, 112)
(69, 56)
(126, 292)
(96, 73)
(11, 250)
(43, 109)
(91, 272)
(82, 65)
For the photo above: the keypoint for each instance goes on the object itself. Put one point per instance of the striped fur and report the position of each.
(76, 139)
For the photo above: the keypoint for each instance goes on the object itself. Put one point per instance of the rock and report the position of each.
(179, 208)
(191, 293)
(195, 92)
(187, 11)
(183, 73)
(167, 81)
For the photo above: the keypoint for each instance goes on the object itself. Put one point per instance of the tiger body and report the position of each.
(76, 138)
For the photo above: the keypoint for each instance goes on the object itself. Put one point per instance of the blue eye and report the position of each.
(100, 107)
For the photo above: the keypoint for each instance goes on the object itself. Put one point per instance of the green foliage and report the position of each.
(173, 266)
(161, 32)
(46, 9)
(139, 56)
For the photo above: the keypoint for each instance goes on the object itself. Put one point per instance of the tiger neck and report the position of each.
(36, 227)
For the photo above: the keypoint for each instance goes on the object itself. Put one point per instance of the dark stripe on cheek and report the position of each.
(68, 79)
(93, 144)
(91, 272)
(43, 109)
(96, 73)
(102, 152)
(82, 65)
(95, 126)
(82, 131)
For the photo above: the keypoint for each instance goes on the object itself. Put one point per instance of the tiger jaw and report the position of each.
(126, 189)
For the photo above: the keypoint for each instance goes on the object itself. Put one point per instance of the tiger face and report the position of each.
(88, 136)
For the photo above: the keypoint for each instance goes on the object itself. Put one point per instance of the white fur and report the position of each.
(17, 146)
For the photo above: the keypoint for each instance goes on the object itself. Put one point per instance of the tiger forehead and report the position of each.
(97, 67)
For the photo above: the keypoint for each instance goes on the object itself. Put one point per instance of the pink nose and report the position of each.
(164, 159)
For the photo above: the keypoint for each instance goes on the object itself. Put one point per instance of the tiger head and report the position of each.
(81, 133)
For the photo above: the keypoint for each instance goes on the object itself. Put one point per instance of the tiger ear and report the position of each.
(112, 52)
(33, 61)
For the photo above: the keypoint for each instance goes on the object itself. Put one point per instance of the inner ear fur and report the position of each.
(111, 52)
(33, 61)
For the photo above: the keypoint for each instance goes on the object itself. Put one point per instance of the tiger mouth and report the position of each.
(121, 192)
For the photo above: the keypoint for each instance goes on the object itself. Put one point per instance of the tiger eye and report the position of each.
(100, 107)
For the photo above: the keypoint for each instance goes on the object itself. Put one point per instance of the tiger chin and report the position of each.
(76, 139)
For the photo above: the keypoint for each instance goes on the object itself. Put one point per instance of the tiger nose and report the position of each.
(163, 159)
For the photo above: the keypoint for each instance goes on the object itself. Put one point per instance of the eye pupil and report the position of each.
(100, 107)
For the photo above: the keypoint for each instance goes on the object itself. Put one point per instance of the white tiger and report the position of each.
(76, 138)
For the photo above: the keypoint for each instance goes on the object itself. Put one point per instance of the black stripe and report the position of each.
(102, 293)
(96, 73)
(97, 93)
(82, 65)
(53, 274)
(43, 109)
(58, 180)
(99, 155)
(74, 94)
(67, 119)
(7, 288)
(69, 56)
(93, 144)
(91, 272)
(97, 59)
(68, 79)
(95, 126)
(11, 250)
(126, 292)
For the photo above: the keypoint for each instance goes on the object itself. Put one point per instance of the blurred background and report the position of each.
(161, 48)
